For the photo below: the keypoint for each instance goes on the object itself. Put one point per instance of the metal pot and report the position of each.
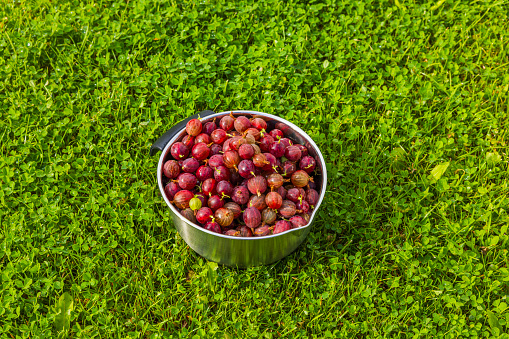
(230, 250)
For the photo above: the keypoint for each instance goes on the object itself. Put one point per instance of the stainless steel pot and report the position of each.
(236, 251)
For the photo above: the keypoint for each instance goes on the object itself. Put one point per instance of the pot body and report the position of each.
(239, 251)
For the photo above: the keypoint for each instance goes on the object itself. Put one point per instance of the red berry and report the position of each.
(189, 215)
(240, 195)
(216, 160)
(287, 142)
(254, 132)
(194, 127)
(282, 226)
(204, 215)
(213, 227)
(226, 123)
(215, 149)
(272, 163)
(245, 231)
(203, 137)
(246, 151)
(241, 124)
(190, 165)
(288, 168)
(307, 164)
(204, 172)
(273, 200)
(223, 216)
(257, 202)
(235, 178)
(209, 187)
(282, 127)
(171, 189)
(227, 145)
(209, 127)
(274, 181)
(257, 185)
(266, 142)
(221, 173)
(269, 216)
(302, 206)
(179, 151)
(259, 123)
(296, 194)
(237, 142)
(262, 231)
(235, 208)
(171, 169)
(293, 153)
(279, 164)
(224, 188)
(312, 197)
(276, 134)
(231, 159)
(218, 136)
(277, 149)
(300, 178)
(287, 209)
(215, 202)
(200, 151)
(260, 160)
(181, 199)
(298, 221)
(252, 217)
(232, 232)
(303, 149)
(187, 181)
(188, 141)
(282, 192)
(246, 169)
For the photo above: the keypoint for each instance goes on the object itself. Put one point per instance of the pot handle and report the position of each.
(160, 143)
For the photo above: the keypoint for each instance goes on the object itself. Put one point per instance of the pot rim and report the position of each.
(273, 117)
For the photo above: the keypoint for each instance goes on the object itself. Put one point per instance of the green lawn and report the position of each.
(407, 100)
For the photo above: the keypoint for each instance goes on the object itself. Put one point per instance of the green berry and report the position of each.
(195, 204)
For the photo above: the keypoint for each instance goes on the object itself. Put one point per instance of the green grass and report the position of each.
(391, 91)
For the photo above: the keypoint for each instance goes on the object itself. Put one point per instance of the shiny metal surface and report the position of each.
(246, 252)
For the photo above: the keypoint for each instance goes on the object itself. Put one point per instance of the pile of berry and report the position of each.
(240, 179)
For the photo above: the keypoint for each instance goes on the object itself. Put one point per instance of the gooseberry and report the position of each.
(194, 127)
